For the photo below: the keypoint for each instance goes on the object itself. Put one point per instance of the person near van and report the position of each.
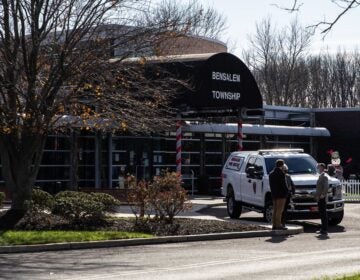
(279, 193)
(291, 191)
(322, 187)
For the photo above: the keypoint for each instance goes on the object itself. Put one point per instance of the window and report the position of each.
(235, 163)
(296, 165)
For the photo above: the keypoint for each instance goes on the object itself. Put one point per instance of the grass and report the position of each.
(350, 277)
(345, 277)
(17, 237)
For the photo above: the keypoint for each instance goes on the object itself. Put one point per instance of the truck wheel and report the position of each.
(268, 211)
(336, 218)
(233, 207)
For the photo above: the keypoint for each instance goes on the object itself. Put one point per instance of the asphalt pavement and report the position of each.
(198, 210)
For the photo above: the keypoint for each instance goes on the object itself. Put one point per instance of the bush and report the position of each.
(78, 207)
(138, 199)
(130, 181)
(167, 197)
(2, 198)
(41, 200)
(109, 202)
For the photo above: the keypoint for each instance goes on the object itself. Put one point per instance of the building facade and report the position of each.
(210, 114)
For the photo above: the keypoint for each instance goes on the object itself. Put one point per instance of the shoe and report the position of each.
(279, 228)
(322, 232)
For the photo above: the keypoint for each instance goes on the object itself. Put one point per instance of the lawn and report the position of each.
(22, 237)
(348, 277)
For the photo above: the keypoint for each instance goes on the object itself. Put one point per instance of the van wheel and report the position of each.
(233, 207)
(336, 218)
(268, 211)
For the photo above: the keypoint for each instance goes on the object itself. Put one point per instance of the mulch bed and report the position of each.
(180, 226)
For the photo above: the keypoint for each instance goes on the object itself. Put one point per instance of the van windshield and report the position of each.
(296, 165)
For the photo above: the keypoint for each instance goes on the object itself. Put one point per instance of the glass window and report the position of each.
(258, 165)
(86, 157)
(296, 165)
(213, 146)
(86, 172)
(86, 142)
(120, 157)
(251, 162)
(213, 159)
(53, 173)
(57, 142)
(235, 163)
(55, 158)
(213, 171)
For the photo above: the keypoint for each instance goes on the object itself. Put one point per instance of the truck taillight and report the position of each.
(223, 176)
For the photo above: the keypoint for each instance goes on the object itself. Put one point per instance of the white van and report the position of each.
(245, 183)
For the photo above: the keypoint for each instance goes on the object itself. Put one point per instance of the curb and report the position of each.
(146, 241)
(199, 207)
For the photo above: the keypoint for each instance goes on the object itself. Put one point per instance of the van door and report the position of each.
(246, 181)
(253, 183)
(258, 182)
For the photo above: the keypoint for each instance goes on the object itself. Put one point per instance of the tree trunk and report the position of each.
(74, 161)
(20, 157)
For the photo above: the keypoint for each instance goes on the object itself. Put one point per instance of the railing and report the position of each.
(351, 190)
(191, 177)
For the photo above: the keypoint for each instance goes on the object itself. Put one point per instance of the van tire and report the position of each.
(336, 218)
(268, 211)
(233, 207)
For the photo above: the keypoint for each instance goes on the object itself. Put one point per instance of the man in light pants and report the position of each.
(322, 187)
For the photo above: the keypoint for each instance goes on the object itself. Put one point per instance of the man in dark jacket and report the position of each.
(279, 193)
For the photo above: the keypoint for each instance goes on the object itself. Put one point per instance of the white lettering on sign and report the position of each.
(226, 95)
(221, 76)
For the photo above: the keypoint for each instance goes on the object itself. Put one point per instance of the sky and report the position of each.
(242, 16)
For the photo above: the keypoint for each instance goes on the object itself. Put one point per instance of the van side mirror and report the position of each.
(250, 172)
(253, 173)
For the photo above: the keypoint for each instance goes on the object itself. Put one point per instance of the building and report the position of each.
(224, 95)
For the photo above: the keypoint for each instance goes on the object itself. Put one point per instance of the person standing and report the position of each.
(291, 191)
(322, 187)
(279, 193)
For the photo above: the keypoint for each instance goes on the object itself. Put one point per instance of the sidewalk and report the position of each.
(198, 203)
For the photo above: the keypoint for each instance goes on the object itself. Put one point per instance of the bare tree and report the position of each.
(344, 5)
(277, 60)
(57, 71)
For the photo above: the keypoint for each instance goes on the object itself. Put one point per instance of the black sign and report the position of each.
(224, 81)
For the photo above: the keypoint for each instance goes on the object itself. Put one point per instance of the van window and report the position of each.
(234, 163)
(296, 165)
(251, 162)
(258, 165)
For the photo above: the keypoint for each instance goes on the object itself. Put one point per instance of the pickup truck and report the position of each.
(245, 184)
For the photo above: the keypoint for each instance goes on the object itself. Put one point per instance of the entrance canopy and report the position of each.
(223, 81)
(257, 129)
